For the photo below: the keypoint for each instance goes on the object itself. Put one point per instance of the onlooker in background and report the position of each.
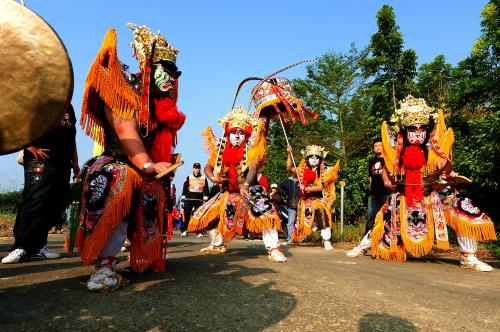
(377, 194)
(291, 192)
(194, 192)
(46, 194)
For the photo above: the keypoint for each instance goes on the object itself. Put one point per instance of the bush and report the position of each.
(9, 202)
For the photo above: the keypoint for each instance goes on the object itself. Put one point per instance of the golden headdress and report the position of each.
(148, 45)
(238, 118)
(314, 150)
(412, 111)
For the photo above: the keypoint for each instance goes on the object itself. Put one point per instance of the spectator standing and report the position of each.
(291, 192)
(195, 191)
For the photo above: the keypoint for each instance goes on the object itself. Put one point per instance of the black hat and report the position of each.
(196, 165)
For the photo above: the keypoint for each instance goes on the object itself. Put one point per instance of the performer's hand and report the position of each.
(302, 188)
(38, 152)
(289, 149)
(76, 171)
(157, 168)
(452, 174)
(217, 179)
(244, 191)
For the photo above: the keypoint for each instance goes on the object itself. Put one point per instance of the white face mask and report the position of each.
(416, 137)
(313, 161)
(236, 138)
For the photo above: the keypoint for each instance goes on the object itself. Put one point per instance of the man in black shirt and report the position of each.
(377, 196)
(194, 193)
(47, 169)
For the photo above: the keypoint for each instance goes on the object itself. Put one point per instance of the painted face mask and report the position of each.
(416, 135)
(236, 138)
(163, 81)
(313, 161)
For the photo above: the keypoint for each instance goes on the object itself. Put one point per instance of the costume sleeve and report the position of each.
(331, 174)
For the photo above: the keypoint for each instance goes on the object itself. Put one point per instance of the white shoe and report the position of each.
(327, 245)
(103, 279)
(44, 253)
(211, 249)
(355, 252)
(184, 234)
(199, 235)
(277, 256)
(471, 262)
(15, 256)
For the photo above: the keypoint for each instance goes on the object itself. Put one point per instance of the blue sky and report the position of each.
(222, 42)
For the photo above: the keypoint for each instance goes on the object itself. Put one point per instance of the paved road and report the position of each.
(244, 291)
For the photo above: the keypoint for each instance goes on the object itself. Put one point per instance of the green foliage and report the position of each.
(390, 68)
(434, 81)
(9, 201)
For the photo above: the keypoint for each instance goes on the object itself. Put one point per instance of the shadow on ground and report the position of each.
(198, 292)
(379, 321)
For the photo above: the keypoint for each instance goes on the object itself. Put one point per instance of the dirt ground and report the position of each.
(243, 291)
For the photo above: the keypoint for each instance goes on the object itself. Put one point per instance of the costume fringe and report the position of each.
(91, 244)
(257, 153)
(331, 175)
(262, 223)
(209, 145)
(303, 229)
(107, 84)
(424, 246)
(144, 255)
(485, 231)
(388, 152)
(212, 213)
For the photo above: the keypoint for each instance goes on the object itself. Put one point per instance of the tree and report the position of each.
(434, 81)
(334, 89)
(391, 68)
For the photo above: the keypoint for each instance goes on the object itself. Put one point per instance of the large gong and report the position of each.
(36, 77)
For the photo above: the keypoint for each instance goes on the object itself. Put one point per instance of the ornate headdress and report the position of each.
(314, 150)
(275, 95)
(412, 111)
(238, 118)
(149, 48)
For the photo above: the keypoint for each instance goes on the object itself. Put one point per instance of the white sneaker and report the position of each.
(355, 252)
(15, 256)
(471, 262)
(44, 253)
(199, 235)
(277, 256)
(327, 245)
(103, 279)
(184, 234)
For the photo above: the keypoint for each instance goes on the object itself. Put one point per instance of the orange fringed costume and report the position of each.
(114, 191)
(401, 226)
(315, 208)
(227, 211)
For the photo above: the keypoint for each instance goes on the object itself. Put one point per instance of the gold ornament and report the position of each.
(144, 43)
(315, 150)
(238, 118)
(412, 111)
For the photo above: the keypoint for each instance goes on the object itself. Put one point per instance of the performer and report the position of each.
(418, 170)
(194, 193)
(317, 194)
(136, 122)
(233, 163)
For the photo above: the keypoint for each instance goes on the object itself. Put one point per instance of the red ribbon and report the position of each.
(231, 157)
(413, 160)
(170, 120)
